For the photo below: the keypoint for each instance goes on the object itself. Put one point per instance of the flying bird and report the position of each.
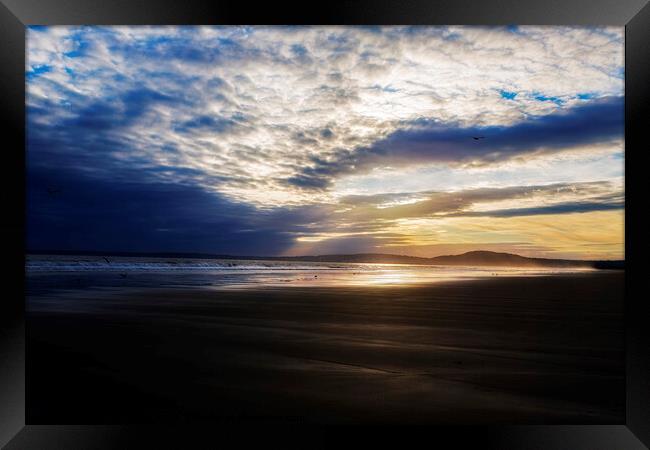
(476, 138)
(108, 261)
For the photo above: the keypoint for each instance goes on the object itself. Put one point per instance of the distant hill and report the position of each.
(474, 258)
(484, 258)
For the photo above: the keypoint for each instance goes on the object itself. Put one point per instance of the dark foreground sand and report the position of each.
(511, 350)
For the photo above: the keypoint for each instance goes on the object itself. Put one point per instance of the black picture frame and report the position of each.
(15, 15)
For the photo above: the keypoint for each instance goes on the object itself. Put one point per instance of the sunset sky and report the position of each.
(315, 140)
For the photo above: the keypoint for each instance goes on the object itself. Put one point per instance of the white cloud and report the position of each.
(293, 94)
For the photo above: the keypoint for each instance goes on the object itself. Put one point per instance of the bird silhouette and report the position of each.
(476, 138)
(108, 261)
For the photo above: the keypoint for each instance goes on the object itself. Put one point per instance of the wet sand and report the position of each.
(504, 350)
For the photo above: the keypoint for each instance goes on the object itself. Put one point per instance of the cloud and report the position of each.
(315, 101)
(379, 216)
(558, 196)
(206, 123)
(561, 208)
(430, 141)
(247, 138)
(93, 214)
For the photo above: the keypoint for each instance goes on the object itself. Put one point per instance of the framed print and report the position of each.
(223, 219)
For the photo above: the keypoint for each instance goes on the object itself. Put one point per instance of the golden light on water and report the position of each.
(386, 275)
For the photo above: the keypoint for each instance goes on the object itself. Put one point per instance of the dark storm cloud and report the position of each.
(308, 182)
(182, 46)
(96, 132)
(430, 141)
(82, 197)
(115, 113)
(562, 208)
(326, 133)
(206, 123)
(71, 211)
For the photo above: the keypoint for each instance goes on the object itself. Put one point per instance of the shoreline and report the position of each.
(49, 282)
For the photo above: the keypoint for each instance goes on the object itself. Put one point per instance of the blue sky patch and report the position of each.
(508, 95)
(81, 48)
(38, 70)
(548, 98)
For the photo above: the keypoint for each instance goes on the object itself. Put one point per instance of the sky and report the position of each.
(317, 140)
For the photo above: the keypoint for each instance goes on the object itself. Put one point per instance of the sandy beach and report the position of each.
(527, 350)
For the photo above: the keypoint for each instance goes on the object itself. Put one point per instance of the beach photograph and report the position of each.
(416, 225)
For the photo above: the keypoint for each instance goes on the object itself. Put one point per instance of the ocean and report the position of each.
(74, 271)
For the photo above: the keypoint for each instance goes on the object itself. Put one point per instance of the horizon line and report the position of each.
(224, 255)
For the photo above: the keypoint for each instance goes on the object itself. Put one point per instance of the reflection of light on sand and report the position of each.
(379, 275)
(389, 277)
